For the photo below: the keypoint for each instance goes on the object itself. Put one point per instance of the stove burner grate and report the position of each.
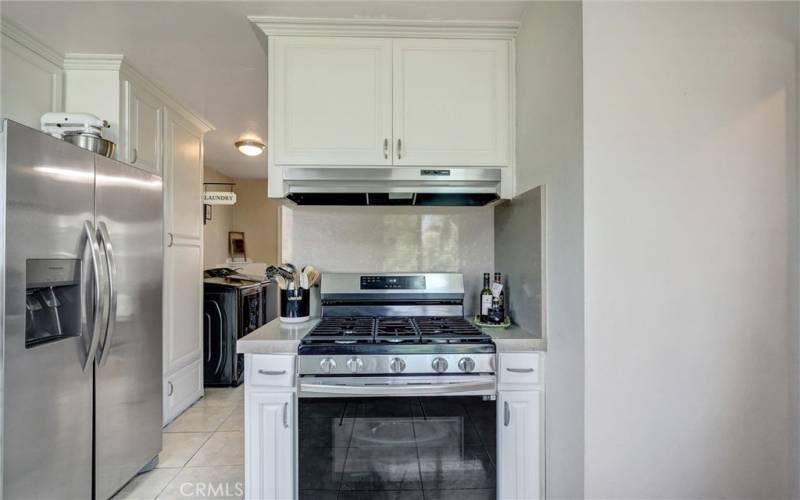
(395, 330)
(392, 330)
(344, 330)
(448, 329)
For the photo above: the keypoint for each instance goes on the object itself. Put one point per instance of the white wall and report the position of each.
(392, 239)
(31, 76)
(689, 178)
(549, 153)
(215, 231)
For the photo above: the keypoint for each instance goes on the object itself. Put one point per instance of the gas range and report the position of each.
(394, 324)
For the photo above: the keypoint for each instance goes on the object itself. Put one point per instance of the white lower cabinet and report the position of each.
(520, 447)
(269, 427)
(183, 388)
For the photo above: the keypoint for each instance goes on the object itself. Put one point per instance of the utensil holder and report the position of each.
(295, 305)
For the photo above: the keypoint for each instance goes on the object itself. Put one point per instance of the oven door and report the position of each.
(376, 437)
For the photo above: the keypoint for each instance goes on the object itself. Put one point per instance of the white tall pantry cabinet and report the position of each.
(183, 264)
(156, 132)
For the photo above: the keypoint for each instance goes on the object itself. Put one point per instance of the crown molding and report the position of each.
(30, 41)
(108, 62)
(394, 28)
(119, 63)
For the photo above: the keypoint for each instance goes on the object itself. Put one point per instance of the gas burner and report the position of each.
(448, 330)
(345, 330)
(394, 330)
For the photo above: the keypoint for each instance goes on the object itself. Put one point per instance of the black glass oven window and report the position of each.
(432, 447)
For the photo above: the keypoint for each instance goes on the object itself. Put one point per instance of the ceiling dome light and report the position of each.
(250, 148)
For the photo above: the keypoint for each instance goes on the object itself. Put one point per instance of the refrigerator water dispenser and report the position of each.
(52, 300)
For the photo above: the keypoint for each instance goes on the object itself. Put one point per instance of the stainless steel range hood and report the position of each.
(474, 186)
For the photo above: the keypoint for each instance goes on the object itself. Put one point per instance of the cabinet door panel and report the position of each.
(451, 102)
(182, 389)
(269, 446)
(183, 303)
(145, 114)
(333, 101)
(184, 163)
(519, 445)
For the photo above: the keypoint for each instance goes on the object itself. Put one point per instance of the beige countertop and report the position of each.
(283, 338)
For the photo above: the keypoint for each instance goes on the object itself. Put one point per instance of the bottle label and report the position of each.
(486, 304)
(496, 289)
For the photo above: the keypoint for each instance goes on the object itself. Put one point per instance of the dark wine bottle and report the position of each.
(486, 299)
(498, 311)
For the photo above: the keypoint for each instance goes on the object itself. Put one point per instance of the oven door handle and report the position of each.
(399, 389)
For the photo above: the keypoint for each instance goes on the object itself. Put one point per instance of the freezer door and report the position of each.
(128, 368)
(48, 197)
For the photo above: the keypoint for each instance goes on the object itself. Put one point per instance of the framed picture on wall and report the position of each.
(236, 249)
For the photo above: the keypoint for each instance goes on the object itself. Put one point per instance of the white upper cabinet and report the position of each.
(332, 101)
(184, 159)
(451, 102)
(389, 101)
(145, 117)
(31, 77)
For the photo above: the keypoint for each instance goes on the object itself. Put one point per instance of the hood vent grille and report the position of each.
(388, 199)
(394, 186)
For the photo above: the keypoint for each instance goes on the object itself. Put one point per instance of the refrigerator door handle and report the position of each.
(99, 311)
(105, 240)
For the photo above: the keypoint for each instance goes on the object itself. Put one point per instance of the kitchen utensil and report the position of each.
(313, 275)
(273, 272)
(282, 282)
(304, 281)
(93, 143)
(291, 270)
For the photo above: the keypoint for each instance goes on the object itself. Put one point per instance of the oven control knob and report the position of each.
(397, 365)
(355, 364)
(327, 365)
(466, 364)
(439, 364)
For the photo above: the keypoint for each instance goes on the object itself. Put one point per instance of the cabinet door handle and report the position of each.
(171, 240)
(170, 388)
(399, 148)
(520, 370)
(286, 415)
(386, 149)
(134, 155)
(506, 414)
(272, 372)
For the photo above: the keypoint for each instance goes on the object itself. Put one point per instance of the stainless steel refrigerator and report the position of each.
(80, 297)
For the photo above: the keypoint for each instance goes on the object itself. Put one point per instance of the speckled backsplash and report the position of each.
(392, 239)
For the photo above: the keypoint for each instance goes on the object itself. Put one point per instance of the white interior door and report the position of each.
(451, 102)
(332, 101)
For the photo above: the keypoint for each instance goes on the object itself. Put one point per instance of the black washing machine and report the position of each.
(232, 308)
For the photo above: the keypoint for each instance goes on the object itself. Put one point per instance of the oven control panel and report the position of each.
(393, 282)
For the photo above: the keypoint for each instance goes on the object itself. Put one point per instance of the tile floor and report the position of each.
(203, 454)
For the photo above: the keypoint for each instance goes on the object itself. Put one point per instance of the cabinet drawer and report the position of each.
(519, 368)
(183, 388)
(270, 370)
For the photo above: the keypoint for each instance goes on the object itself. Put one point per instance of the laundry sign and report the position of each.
(219, 198)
